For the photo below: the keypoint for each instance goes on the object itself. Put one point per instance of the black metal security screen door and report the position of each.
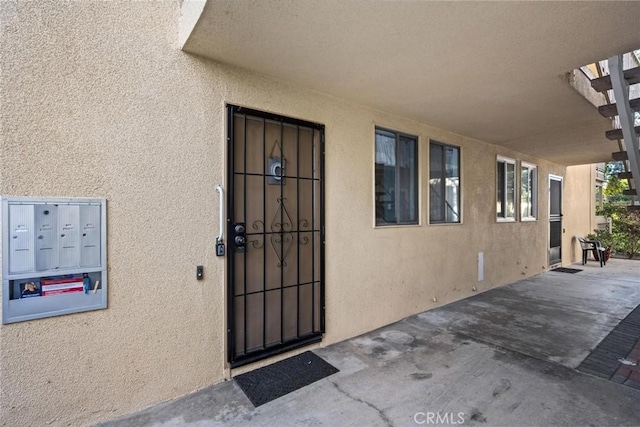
(275, 234)
(555, 220)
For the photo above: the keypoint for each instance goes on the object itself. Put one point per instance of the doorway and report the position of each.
(275, 223)
(555, 220)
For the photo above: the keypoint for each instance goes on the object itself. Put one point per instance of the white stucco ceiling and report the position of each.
(492, 71)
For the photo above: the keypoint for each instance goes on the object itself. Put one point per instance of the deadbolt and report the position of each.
(239, 238)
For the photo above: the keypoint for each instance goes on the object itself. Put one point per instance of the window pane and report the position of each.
(526, 192)
(444, 183)
(436, 187)
(555, 196)
(385, 183)
(500, 211)
(452, 185)
(407, 173)
(534, 192)
(599, 198)
(511, 190)
(525, 195)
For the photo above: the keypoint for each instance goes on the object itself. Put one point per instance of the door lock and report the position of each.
(240, 236)
(219, 248)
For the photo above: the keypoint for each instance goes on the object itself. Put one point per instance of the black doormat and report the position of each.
(271, 382)
(567, 270)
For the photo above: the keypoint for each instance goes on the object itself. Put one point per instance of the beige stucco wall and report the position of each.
(98, 101)
(579, 209)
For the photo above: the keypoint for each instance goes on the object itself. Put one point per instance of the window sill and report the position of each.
(440, 224)
(529, 219)
(389, 226)
(505, 220)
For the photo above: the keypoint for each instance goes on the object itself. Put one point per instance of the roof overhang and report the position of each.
(494, 71)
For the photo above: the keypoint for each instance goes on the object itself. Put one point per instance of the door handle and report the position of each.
(220, 238)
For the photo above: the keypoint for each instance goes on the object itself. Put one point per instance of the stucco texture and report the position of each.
(579, 209)
(99, 101)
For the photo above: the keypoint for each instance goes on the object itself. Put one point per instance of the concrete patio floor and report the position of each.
(504, 357)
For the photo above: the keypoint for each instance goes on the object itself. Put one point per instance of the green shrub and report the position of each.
(624, 238)
(628, 225)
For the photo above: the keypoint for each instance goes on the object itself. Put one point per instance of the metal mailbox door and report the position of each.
(90, 254)
(46, 229)
(21, 246)
(69, 235)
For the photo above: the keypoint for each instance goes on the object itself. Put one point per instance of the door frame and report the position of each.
(230, 110)
(559, 217)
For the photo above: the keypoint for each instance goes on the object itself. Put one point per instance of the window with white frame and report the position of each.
(396, 178)
(444, 183)
(506, 189)
(528, 191)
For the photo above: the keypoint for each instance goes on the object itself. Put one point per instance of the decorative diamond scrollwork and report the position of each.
(281, 243)
(282, 226)
(281, 222)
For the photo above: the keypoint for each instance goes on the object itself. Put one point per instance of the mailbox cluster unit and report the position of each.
(53, 257)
